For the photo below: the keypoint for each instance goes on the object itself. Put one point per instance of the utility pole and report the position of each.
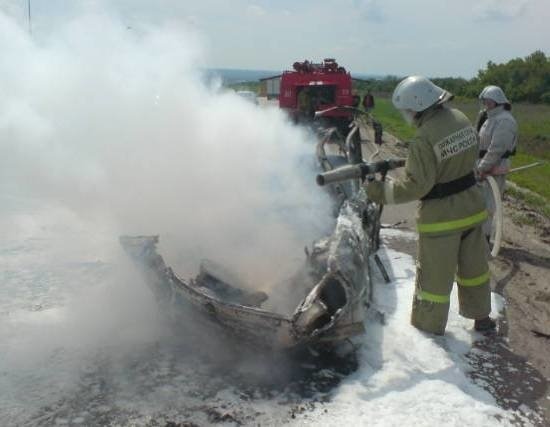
(29, 15)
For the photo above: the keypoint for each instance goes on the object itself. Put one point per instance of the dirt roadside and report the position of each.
(515, 364)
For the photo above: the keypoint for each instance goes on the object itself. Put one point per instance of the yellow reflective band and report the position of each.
(476, 281)
(452, 225)
(428, 296)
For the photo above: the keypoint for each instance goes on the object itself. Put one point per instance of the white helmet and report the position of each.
(417, 93)
(494, 93)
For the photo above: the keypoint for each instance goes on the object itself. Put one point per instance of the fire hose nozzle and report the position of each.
(358, 171)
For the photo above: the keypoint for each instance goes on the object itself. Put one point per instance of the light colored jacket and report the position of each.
(445, 149)
(498, 134)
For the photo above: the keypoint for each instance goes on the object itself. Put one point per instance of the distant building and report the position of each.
(270, 87)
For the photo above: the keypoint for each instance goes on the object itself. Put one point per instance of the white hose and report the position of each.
(375, 154)
(497, 215)
(356, 183)
(352, 132)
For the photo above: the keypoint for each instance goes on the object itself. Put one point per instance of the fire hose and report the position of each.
(498, 214)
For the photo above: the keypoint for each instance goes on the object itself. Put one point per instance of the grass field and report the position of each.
(391, 119)
(534, 138)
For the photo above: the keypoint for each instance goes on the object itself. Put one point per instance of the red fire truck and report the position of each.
(314, 87)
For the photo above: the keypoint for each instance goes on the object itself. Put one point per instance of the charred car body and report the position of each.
(335, 275)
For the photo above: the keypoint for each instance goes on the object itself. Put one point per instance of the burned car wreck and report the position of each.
(332, 310)
(336, 273)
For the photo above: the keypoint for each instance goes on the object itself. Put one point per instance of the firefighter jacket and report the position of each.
(497, 138)
(445, 149)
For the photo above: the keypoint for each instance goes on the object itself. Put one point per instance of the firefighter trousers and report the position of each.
(442, 259)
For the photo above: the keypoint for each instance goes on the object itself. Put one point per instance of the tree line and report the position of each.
(522, 79)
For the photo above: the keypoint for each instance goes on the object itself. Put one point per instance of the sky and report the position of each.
(429, 37)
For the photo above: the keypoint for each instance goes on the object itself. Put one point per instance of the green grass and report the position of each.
(533, 146)
(521, 218)
(391, 119)
(536, 179)
(536, 202)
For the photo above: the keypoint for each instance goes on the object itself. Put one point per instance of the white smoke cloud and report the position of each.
(115, 123)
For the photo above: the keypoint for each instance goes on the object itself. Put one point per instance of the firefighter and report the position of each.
(439, 173)
(498, 137)
(305, 104)
(368, 101)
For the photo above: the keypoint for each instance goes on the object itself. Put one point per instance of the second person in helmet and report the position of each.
(439, 173)
(498, 136)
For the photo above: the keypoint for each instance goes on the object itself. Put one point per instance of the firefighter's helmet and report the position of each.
(494, 93)
(416, 93)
